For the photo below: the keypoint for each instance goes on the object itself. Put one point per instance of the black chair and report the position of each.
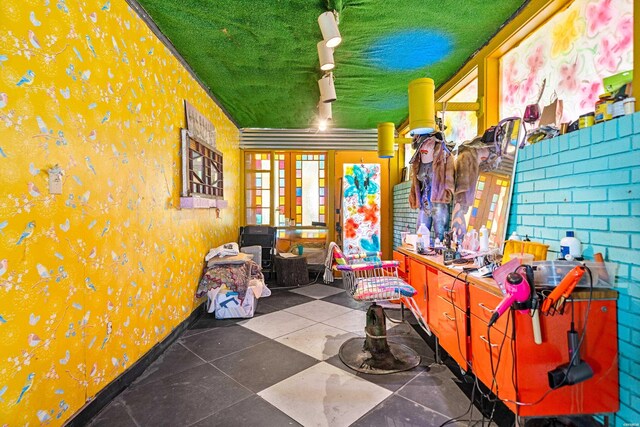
(263, 236)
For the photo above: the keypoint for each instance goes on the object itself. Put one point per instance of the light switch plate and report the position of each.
(55, 183)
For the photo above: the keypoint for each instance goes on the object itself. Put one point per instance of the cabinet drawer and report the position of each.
(484, 352)
(452, 326)
(483, 304)
(452, 290)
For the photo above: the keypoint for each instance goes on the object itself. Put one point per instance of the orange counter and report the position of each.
(457, 308)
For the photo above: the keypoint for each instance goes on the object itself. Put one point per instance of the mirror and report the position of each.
(489, 202)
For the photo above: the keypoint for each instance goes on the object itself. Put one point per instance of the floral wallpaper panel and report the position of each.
(92, 278)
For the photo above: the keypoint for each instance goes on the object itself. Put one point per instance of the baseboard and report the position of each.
(115, 387)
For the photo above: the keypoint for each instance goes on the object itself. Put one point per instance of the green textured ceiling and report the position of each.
(259, 57)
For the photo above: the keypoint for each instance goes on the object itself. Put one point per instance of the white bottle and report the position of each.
(484, 239)
(570, 247)
(423, 238)
(514, 236)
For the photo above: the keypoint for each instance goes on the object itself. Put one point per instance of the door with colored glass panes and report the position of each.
(285, 189)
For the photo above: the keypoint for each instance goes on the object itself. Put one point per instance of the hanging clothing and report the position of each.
(443, 175)
(439, 182)
(467, 173)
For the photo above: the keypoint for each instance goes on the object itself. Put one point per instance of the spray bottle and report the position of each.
(423, 232)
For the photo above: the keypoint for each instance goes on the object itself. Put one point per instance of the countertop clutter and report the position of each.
(529, 361)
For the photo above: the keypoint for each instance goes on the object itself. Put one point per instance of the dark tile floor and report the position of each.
(281, 368)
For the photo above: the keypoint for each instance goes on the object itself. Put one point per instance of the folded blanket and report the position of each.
(241, 258)
(228, 249)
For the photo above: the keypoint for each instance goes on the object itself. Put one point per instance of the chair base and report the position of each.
(374, 354)
(399, 358)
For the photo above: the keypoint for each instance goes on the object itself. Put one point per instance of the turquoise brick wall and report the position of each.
(404, 218)
(589, 181)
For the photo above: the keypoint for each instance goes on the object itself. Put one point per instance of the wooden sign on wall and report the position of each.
(199, 126)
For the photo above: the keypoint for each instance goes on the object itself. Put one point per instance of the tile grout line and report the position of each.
(192, 352)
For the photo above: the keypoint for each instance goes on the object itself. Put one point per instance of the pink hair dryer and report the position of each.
(517, 291)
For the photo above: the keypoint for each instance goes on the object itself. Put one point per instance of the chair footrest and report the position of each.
(382, 288)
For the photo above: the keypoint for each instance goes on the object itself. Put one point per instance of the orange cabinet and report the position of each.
(493, 361)
(453, 289)
(599, 349)
(482, 305)
(452, 328)
(458, 313)
(418, 279)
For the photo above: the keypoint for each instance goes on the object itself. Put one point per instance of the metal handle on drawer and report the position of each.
(485, 307)
(448, 289)
(445, 314)
(487, 341)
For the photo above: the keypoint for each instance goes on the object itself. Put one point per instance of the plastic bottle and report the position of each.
(423, 232)
(570, 246)
(514, 236)
(484, 239)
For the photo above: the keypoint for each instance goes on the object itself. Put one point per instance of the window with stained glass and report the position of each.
(258, 171)
(300, 193)
(310, 188)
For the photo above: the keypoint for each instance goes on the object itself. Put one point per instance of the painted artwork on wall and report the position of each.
(361, 208)
(573, 51)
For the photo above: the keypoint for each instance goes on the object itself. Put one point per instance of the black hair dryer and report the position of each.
(574, 372)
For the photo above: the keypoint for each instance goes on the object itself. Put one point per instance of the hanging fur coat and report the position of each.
(467, 173)
(442, 180)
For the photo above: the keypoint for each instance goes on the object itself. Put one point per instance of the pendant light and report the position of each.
(422, 119)
(329, 28)
(325, 111)
(326, 56)
(327, 89)
(386, 139)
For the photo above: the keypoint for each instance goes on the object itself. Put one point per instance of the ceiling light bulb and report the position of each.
(326, 56)
(329, 28)
(322, 125)
(327, 89)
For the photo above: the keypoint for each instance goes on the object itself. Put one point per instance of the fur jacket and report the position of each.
(467, 173)
(442, 180)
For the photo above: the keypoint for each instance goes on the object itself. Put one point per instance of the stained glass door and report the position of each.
(286, 189)
(303, 177)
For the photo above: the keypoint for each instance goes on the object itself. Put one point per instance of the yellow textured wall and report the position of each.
(109, 267)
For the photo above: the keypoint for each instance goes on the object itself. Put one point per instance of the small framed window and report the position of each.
(202, 168)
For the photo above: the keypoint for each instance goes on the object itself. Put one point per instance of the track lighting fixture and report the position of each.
(329, 28)
(325, 54)
(325, 111)
(327, 89)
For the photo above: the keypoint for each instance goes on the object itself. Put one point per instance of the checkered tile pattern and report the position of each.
(281, 367)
